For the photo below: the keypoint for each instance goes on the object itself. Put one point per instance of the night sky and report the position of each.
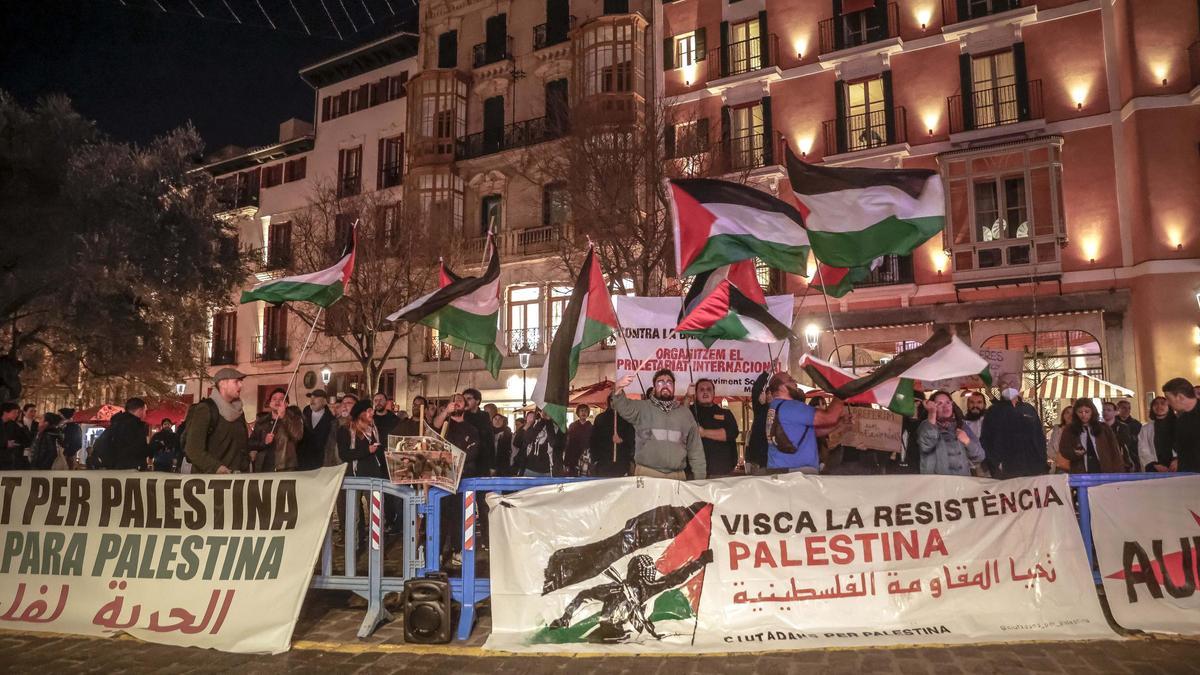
(140, 72)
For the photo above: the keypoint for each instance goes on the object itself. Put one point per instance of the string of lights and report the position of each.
(312, 18)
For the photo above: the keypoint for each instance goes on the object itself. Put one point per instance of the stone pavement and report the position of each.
(325, 642)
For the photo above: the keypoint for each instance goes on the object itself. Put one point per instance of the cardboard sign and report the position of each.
(1005, 365)
(869, 429)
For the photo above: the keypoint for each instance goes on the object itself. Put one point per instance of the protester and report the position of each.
(910, 459)
(123, 445)
(612, 444)
(10, 435)
(756, 442)
(48, 446)
(579, 437)
(1056, 432)
(517, 457)
(1125, 415)
(542, 453)
(1126, 441)
(1012, 437)
(1089, 445)
(948, 446)
(668, 438)
(502, 438)
(411, 426)
(276, 435)
(164, 448)
(29, 427)
(718, 430)
(1156, 441)
(1181, 397)
(216, 439)
(360, 443)
(461, 433)
(793, 427)
(482, 422)
(333, 457)
(385, 420)
(974, 414)
(318, 423)
(72, 435)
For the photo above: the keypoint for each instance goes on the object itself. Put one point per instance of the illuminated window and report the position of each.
(524, 318)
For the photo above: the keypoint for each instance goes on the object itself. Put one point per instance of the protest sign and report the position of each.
(648, 342)
(870, 429)
(1004, 365)
(424, 460)
(205, 561)
(788, 562)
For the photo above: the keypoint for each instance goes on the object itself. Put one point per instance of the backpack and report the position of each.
(214, 415)
(778, 437)
(101, 451)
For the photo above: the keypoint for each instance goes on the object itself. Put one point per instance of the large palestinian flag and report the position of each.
(674, 538)
(727, 314)
(855, 215)
(465, 311)
(838, 281)
(321, 288)
(587, 319)
(942, 357)
(717, 222)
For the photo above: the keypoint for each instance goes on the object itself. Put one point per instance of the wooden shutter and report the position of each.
(768, 133)
(379, 181)
(964, 11)
(701, 44)
(669, 141)
(669, 53)
(448, 49)
(965, 82)
(839, 104)
(724, 49)
(325, 109)
(888, 108)
(702, 133)
(839, 40)
(764, 41)
(1022, 81)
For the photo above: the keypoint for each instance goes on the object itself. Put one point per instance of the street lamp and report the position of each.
(326, 375)
(523, 358)
(180, 388)
(812, 334)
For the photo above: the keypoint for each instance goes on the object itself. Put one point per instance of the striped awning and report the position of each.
(1073, 385)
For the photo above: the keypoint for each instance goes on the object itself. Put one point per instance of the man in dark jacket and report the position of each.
(543, 448)
(385, 420)
(608, 461)
(482, 421)
(164, 448)
(72, 435)
(756, 443)
(579, 435)
(1012, 438)
(319, 423)
(10, 436)
(126, 448)
(718, 430)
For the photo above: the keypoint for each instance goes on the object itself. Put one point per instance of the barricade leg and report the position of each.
(466, 620)
(1085, 528)
(412, 562)
(376, 613)
(433, 529)
(350, 533)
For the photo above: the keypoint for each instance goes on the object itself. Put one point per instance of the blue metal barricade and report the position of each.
(374, 584)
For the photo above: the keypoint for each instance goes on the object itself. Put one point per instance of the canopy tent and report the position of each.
(168, 408)
(100, 414)
(593, 394)
(1072, 385)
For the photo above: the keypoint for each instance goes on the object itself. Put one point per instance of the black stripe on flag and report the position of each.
(892, 369)
(558, 377)
(698, 291)
(713, 191)
(810, 179)
(572, 565)
(462, 287)
(752, 310)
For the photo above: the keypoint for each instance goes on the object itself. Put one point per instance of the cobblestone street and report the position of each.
(325, 642)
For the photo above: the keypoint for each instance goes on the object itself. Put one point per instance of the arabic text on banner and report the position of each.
(788, 562)
(206, 561)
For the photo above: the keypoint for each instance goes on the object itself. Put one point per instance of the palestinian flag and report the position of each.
(321, 288)
(741, 274)
(465, 311)
(838, 281)
(727, 314)
(855, 215)
(675, 538)
(717, 222)
(942, 357)
(445, 276)
(588, 318)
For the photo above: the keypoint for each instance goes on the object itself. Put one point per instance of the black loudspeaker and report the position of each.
(427, 610)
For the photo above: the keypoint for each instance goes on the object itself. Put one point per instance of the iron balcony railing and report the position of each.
(746, 152)
(516, 135)
(954, 11)
(865, 130)
(349, 185)
(743, 56)
(550, 34)
(279, 257)
(223, 355)
(858, 28)
(893, 270)
(995, 106)
(527, 340)
(270, 351)
(436, 349)
(486, 53)
(391, 174)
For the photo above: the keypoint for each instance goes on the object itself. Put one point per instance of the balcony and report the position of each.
(894, 270)
(547, 35)
(223, 355)
(437, 349)
(517, 135)
(230, 197)
(745, 153)
(530, 241)
(996, 107)
(857, 29)
(349, 185)
(527, 340)
(391, 174)
(744, 56)
(853, 133)
(279, 257)
(486, 53)
(977, 9)
(270, 351)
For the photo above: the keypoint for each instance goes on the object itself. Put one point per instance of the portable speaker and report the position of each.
(427, 606)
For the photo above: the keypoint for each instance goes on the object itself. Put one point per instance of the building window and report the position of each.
(609, 53)
(389, 223)
(436, 349)
(391, 161)
(862, 26)
(1056, 351)
(557, 106)
(438, 115)
(866, 114)
(440, 203)
(273, 343)
(448, 50)
(524, 318)
(1004, 207)
(343, 230)
(560, 297)
(349, 172)
(224, 339)
(994, 90)
(556, 204)
(746, 135)
(745, 47)
(490, 214)
(685, 50)
(396, 86)
(279, 245)
(294, 169)
(272, 175)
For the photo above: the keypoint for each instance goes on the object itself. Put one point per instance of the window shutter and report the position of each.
(968, 100)
(669, 141)
(964, 11)
(325, 109)
(768, 133)
(379, 164)
(888, 109)
(839, 102)
(1022, 81)
(839, 39)
(764, 41)
(724, 49)
(701, 44)
(726, 162)
(702, 133)
(669, 53)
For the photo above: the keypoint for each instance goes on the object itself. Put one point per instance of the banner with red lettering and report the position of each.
(788, 562)
(648, 342)
(190, 560)
(1147, 537)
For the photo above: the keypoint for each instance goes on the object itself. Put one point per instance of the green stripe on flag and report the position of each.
(904, 401)
(323, 295)
(725, 249)
(891, 236)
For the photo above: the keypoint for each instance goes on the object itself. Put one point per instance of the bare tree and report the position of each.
(395, 263)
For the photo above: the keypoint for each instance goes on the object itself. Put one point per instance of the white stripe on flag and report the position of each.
(860, 208)
(770, 226)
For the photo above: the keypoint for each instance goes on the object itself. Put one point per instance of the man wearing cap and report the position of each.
(318, 425)
(667, 436)
(216, 439)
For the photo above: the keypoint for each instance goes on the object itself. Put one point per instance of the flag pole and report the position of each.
(462, 357)
(828, 311)
(299, 362)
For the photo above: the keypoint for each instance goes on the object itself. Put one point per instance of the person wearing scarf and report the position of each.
(667, 438)
(948, 447)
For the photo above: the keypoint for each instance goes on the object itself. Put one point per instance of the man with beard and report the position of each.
(793, 427)
(217, 438)
(667, 436)
(319, 425)
(483, 425)
(462, 434)
(973, 417)
(385, 420)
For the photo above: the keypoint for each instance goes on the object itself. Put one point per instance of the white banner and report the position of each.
(650, 341)
(788, 562)
(203, 561)
(1147, 538)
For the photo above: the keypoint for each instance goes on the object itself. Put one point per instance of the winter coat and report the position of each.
(943, 454)
(1156, 443)
(756, 442)
(668, 440)
(357, 451)
(1107, 450)
(310, 451)
(280, 455)
(1013, 440)
(226, 445)
(605, 462)
(127, 447)
(46, 447)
